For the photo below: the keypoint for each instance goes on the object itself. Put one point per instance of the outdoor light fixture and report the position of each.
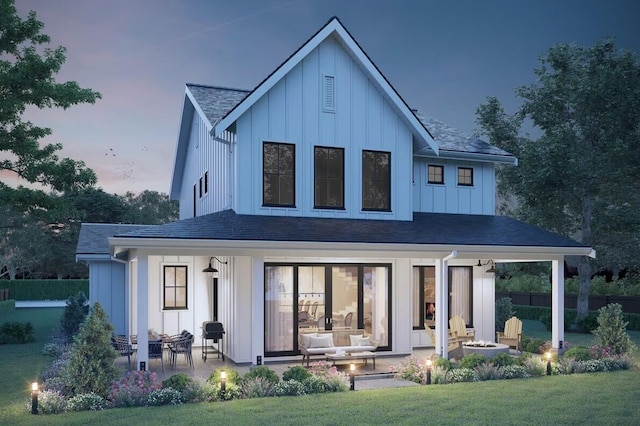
(213, 272)
(428, 371)
(548, 363)
(492, 268)
(223, 384)
(352, 374)
(34, 398)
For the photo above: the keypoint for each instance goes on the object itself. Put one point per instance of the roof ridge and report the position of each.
(208, 86)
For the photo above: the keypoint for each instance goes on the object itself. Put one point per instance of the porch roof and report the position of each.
(424, 229)
(92, 239)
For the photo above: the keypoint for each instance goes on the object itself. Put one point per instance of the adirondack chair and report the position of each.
(512, 334)
(458, 328)
(454, 344)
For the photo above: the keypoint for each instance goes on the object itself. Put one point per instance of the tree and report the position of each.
(150, 208)
(579, 178)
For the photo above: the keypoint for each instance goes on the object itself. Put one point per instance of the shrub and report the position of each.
(314, 384)
(232, 391)
(289, 388)
(336, 382)
(75, 312)
(264, 372)
(232, 376)
(54, 349)
(502, 360)
(471, 361)
(534, 366)
(486, 372)
(257, 387)
(91, 366)
(87, 402)
(579, 353)
(198, 391)
(443, 363)
(165, 396)
(439, 375)
(16, 332)
(178, 382)
(513, 372)
(51, 402)
(611, 331)
(504, 311)
(532, 345)
(296, 372)
(410, 368)
(133, 389)
(459, 375)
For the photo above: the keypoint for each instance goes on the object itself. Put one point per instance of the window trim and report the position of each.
(460, 168)
(293, 175)
(341, 205)
(388, 200)
(434, 182)
(186, 288)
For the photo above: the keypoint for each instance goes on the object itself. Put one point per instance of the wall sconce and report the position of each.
(492, 268)
(34, 398)
(213, 272)
(352, 376)
(428, 371)
(223, 384)
(548, 363)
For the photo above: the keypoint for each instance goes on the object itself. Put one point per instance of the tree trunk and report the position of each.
(584, 265)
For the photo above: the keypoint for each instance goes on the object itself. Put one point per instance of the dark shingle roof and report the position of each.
(216, 102)
(93, 236)
(426, 228)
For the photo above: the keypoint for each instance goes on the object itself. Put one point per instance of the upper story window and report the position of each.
(435, 174)
(465, 176)
(206, 182)
(175, 287)
(328, 178)
(278, 181)
(376, 180)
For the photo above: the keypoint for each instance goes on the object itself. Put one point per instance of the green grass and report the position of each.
(599, 398)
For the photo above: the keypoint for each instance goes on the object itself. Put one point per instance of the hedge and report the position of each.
(539, 313)
(45, 289)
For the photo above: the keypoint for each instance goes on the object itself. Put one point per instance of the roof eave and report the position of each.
(472, 156)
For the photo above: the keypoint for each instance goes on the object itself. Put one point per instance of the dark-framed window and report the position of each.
(435, 174)
(201, 187)
(328, 178)
(206, 182)
(174, 286)
(278, 182)
(465, 176)
(376, 180)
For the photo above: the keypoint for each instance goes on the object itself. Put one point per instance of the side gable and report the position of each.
(333, 28)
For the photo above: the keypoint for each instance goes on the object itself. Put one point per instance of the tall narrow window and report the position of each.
(465, 176)
(461, 293)
(201, 187)
(328, 178)
(435, 174)
(175, 287)
(424, 297)
(278, 187)
(376, 180)
(206, 182)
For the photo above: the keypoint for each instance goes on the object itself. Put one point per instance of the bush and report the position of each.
(471, 361)
(534, 366)
(133, 389)
(263, 372)
(410, 368)
(232, 376)
(232, 391)
(513, 372)
(178, 382)
(502, 360)
(75, 312)
(579, 353)
(198, 391)
(504, 311)
(257, 387)
(165, 396)
(16, 332)
(460, 375)
(314, 384)
(296, 372)
(443, 363)
(51, 402)
(487, 372)
(611, 332)
(532, 345)
(87, 402)
(289, 388)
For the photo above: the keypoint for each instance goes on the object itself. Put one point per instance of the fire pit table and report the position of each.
(488, 349)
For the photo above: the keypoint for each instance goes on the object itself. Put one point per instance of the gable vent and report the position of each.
(328, 94)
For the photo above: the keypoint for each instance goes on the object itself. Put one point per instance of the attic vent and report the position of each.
(328, 94)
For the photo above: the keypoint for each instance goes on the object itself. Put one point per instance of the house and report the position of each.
(321, 191)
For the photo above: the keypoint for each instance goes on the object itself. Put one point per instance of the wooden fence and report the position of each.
(630, 304)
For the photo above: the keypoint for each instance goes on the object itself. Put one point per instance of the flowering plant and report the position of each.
(133, 389)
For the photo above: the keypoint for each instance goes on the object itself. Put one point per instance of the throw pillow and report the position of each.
(305, 339)
(364, 341)
(321, 341)
(355, 338)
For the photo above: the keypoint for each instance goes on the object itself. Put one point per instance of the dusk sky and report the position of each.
(443, 57)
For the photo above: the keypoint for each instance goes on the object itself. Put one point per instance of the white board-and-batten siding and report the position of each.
(292, 112)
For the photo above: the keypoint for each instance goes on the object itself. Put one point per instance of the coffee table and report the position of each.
(364, 355)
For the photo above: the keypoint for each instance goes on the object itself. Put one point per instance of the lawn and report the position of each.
(598, 398)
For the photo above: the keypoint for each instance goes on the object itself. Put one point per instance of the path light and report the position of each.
(548, 363)
(352, 373)
(428, 371)
(34, 398)
(223, 384)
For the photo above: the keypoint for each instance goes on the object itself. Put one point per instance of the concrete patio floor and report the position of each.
(366, 377)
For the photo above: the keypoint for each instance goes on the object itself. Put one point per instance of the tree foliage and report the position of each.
(579, 178)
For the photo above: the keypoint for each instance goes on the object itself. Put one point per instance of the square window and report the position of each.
(465, 176)
(435, 174)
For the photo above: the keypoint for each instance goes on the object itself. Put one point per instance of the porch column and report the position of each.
(557, 303)
(142, 312)
(257, 311)
(442, 308)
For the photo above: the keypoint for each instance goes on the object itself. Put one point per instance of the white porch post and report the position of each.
(442, 308)
(142, 311)
(257, 311)
(557, 303)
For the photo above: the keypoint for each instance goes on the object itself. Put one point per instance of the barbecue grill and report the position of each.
(212, 339)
